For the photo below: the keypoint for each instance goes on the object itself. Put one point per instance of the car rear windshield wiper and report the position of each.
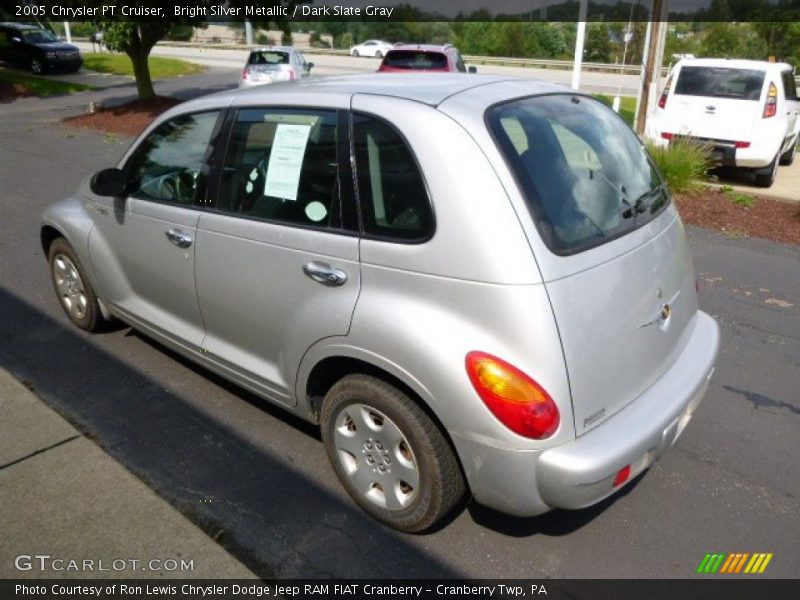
(641, 204)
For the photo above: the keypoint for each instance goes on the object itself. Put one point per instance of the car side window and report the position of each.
(394, 200)
(170, 164)
(281, 165)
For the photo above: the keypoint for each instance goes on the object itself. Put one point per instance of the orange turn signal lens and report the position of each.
(515, 399)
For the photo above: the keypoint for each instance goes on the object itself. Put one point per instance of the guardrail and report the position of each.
(538, 63)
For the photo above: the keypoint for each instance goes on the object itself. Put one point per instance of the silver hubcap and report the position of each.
(69, 286)
(376, 456)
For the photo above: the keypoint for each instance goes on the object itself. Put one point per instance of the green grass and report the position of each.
(683, 164)
(40, 86)
(627, 106)
(120, 64)
(739, 198)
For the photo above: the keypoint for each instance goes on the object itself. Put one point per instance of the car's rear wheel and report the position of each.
(355, 53)
(37, 66)
(388, 454)
(75, 293)
(378, 54)
(766, 177)
(787, 157)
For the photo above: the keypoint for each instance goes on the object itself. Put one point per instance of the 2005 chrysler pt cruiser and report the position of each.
(473, 285)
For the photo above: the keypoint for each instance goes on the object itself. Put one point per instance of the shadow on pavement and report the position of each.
(267, 514)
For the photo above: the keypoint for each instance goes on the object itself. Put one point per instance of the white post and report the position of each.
(67, 33)
(248, 32)
(579, 39)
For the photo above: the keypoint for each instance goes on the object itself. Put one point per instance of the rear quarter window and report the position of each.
(720, 82)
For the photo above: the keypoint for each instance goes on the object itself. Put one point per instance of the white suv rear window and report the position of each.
(720, 82)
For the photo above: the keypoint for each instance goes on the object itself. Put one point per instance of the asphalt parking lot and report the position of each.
(257, 480)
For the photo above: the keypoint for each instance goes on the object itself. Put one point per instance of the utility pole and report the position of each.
(579, 38)
(652, 67)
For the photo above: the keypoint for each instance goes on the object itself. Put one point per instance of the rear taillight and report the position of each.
(246, 73)
(662, 101)
(742, 144)
(515, 399)
(667, 136)
(771, 107)
(292, 74)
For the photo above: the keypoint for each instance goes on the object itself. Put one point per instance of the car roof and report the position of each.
(425, 88)
(19, 26)
(734, 63)
(446, 48)
(273, 49)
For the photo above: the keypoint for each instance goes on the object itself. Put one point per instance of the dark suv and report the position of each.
(424, 57)
(37, 49)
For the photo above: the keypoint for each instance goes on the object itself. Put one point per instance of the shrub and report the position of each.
(683, 164)
(262, 39)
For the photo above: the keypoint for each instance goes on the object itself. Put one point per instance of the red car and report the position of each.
(424, 57)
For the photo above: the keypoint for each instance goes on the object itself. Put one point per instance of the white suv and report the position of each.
(746, 109)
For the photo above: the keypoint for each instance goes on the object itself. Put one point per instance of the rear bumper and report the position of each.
(581, 473)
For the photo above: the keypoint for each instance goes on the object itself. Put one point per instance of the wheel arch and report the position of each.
(318, 378)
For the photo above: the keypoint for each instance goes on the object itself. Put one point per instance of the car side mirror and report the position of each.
(108, 182)
(472, 69)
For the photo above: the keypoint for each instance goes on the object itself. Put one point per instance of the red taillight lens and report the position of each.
(662, 101)
(622, 476)
(771, 107)
(246, 73)
(742, 144)
(292, 75)
(515, 399)
(667, 136)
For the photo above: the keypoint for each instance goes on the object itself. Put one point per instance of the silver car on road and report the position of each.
(474, 285)
(273, 64)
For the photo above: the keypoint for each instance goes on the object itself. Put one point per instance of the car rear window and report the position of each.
(414, 59)
(585, 176)
(720, 82)
(268, 58)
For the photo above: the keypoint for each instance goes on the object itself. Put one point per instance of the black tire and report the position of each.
(423, 450)
(378, 54)
(787, 157)
(37, 66)
(89, 318)
(356, 54)
(766, 177)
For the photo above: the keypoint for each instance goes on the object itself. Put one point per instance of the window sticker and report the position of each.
(316, 211)
(286, 161)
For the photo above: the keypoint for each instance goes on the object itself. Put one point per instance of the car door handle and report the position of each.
(180, 239)
(325, 274)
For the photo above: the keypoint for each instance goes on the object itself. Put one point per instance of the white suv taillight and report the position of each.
(662, 101)
(771, 107)
(246, 73)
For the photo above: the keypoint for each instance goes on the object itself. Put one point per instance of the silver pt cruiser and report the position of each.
(472, 284)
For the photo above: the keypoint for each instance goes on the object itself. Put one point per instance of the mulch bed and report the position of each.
(128, 119)
(10, 91)
(767, 218)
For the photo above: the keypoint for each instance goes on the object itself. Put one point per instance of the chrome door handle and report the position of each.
(325, 274)
(180, 239)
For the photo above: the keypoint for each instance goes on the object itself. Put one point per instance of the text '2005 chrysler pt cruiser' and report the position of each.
(472, 284)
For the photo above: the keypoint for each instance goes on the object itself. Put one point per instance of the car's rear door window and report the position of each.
(584, 174)
(720, 82)
(281, 165)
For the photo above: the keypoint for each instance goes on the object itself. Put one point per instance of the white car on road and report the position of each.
(746, 110)
(376, 48)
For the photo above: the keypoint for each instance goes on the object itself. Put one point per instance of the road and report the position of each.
(592, 82)
(257, 479)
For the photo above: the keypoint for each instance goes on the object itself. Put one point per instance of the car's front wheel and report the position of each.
(355, 53)
(37, 66)
(388, 454)
(75, 293)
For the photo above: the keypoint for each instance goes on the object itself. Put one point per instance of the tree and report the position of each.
(136, 40)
